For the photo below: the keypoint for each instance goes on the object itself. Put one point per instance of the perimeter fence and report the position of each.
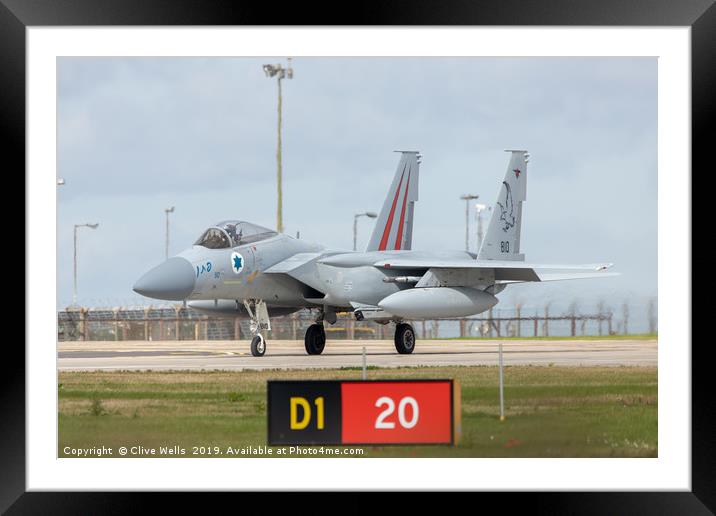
(177, 322)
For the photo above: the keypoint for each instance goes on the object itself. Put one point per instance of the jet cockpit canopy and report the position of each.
(233, 233)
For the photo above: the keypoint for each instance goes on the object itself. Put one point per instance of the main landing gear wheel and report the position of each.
(258, 346)
(315, 339)
(404, 338)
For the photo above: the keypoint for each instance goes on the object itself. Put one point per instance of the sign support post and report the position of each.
(364, 365)
(502, 386)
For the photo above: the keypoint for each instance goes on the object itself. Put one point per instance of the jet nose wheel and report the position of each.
(315, 339)
(404, 338)
(258, 346)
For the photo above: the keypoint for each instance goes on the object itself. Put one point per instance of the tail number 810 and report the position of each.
(389, 404)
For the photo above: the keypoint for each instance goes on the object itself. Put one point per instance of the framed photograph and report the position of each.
(247, 282)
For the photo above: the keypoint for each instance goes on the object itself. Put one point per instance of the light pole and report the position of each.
(369, 214)
(74, 290)
(166, 241)
(467, 198)
(480, 208)
(281, 73)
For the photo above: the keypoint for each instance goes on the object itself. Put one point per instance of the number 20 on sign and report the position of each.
(364, 412)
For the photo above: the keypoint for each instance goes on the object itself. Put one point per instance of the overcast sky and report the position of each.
(137, 135)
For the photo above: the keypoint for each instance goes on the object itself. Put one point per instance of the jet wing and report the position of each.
(484, 264)
(541, 277)
(467, 272)
(574, 275)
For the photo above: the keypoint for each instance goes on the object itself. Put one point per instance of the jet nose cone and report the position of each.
(172, 280)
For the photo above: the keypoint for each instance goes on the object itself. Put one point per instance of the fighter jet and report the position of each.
(240, 269)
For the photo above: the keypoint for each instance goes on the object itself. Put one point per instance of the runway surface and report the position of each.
(289, 354)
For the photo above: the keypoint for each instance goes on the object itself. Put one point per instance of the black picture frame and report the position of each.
(700, 15)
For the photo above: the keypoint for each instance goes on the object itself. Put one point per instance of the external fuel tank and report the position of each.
(437, 302)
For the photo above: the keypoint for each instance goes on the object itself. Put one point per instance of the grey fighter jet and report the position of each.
(239, 269)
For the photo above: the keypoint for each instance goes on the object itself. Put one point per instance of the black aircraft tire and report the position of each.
(315, 340)
(404, 339)
(258, 346)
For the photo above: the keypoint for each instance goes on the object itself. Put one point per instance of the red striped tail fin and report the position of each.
(394, 226)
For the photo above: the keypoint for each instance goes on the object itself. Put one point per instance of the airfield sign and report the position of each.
(356, 412)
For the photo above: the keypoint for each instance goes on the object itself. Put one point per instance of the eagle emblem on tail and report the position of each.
(507, 210)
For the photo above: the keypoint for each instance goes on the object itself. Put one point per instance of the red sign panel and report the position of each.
(397, 412)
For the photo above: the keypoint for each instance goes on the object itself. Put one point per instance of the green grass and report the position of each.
(551, 411)
(633, 336)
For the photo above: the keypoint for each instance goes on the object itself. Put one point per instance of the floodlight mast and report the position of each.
(280, 73)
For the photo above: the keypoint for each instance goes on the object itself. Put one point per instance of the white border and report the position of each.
(670, 471)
